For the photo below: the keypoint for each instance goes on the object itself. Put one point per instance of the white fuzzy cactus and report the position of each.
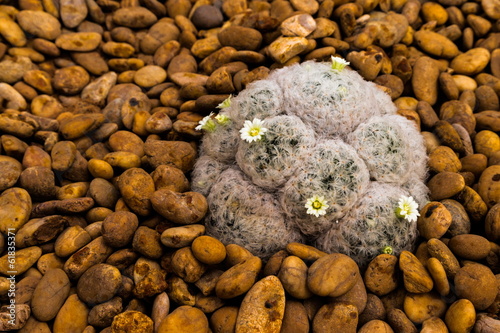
(326, 164)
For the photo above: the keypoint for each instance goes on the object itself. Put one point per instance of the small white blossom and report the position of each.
(225, 103)
(222, 119)
(407, 209)
(339, 64)
(316, 206)
(252, 130)
(207, 123)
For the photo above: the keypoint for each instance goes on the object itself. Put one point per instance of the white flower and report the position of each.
(252, 130)
(225, 103)
(407, 209)
(338, 64)
(316, 206)
(222, 119)
(207, 123)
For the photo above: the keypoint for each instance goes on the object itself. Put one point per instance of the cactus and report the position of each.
(312, 153)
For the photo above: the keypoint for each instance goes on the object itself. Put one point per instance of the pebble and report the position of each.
(99, 284)
(150, 76)
(72, 316)
(415, 276)
(231, 36)
(134, 17)
(207, 17)
(476, 283)
(79, 41)
(308, 6)
(134, 321)
(285, 48)
(471, 62)
(263, 307)
(72, 12)
(300, 25)
(39, 23)
(13, 69)
(50, 294)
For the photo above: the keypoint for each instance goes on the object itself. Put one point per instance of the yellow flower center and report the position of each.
(317, 205)
(254, 132)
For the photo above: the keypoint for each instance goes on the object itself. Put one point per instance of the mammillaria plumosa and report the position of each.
(313, 153)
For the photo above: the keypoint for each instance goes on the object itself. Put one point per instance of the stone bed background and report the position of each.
(99, 104)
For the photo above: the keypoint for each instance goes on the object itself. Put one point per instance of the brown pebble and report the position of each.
(437, 249)
(381, 274)
(469, 246)
(434, 220)
(476, 283)
(416, 278)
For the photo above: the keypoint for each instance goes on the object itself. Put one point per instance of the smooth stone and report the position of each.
(300, 25)
(285, 48)
(263, 307)
(15, 209)
(50, 294)
(79, 41)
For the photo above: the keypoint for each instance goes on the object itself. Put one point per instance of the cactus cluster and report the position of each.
(322, 139)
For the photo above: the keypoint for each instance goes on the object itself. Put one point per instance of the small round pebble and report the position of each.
(207, 17)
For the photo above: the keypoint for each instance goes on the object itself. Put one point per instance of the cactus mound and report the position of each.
(329, 133)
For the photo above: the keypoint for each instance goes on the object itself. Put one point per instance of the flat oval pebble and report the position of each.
(181, 208)
(470, 246)
(471, 62)
(335, 317)
(73, 12)
(99, 284)
(10, 169)
(79, 41)
(263, 307)
(91, 254)
(72, 316)
(39, 23)
(24, 259)
(136, 187)
(299, 25)
(308, 6)
(208, 250)
(476, 283)
(238, 279)
(231, 36)
(15, 209)
(420, 307)
(416, 278)
(50, 294)
(149, 76)
(70, 240)
(184, 319)
(178, 237)
(207, 17)
(332, 275)
(71, 80)
(437, 249)
(134, 17)
(285, 48)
